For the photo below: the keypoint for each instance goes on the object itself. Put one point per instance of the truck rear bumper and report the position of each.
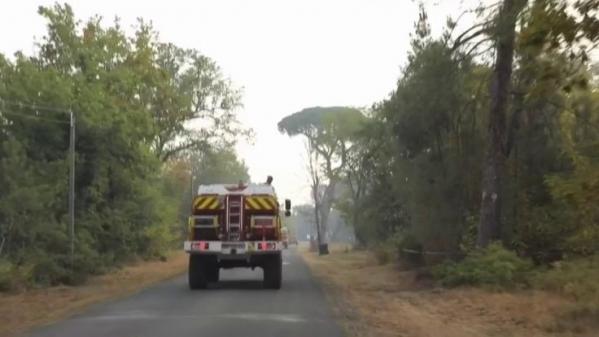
(232, 249)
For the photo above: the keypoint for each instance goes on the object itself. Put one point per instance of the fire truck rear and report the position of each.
(235, 226)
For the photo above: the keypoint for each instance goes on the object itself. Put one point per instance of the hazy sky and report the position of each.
(287, 55)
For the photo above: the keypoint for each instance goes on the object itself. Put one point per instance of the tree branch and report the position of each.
(166, 155)
(464, 38)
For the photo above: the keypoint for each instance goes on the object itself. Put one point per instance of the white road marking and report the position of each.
(283, 318)
(287, 318)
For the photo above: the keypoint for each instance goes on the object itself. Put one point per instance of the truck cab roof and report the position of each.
(225, 189)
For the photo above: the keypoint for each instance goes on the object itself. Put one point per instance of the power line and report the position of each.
(51, 120)
(34, 106)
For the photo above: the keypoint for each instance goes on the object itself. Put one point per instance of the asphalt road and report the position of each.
(236, 306)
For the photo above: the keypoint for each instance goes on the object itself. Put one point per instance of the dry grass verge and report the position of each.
(375, 300)
(23, 311)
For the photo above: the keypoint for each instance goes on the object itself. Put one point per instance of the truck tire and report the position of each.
(213, 273)
(273, 272)
(197, 272)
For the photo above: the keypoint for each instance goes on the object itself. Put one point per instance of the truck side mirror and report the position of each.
(287, 207)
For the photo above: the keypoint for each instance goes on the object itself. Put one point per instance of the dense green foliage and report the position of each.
(497, 267)
(219, 166)
(419, 160)
(492, 266)
(133, 98)
(422, 151)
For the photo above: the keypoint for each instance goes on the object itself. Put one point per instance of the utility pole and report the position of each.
(72, 187)
(192, 195)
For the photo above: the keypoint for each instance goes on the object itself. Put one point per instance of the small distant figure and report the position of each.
(269, 180)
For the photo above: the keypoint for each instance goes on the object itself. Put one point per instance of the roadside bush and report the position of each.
(160, 240)
(6, 275)
(494, 266)
(577, 278)
(12, 277)
(389, 250)
(384, 253)
(50, 270)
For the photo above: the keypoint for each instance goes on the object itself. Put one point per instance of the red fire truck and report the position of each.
(235, 226)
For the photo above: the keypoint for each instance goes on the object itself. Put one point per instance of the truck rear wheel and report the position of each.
(197, 272)
(213, 273)
(273, 271)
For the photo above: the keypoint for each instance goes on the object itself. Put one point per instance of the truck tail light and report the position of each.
(200, 245)
(267, 246)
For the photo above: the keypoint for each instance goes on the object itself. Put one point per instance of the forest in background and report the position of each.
(147, 114)
(416, 165)
(482, 165)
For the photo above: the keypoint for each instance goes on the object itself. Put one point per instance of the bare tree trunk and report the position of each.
(489, 228)
(315, 193)
(325, 209)
(2, 244)
(317, 214)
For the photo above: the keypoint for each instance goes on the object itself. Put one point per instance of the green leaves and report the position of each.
(422, 153)
(138, 103)
(218, 166)
(493, 266)
(328, 123)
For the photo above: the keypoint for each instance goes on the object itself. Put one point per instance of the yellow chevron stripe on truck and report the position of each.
(253, 204)
(206, 202)
(265, 203)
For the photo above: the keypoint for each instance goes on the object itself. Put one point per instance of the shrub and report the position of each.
(383, 253)
(6, 275)
(13, 277)
(389, 250)
(493, 266)
(578, 278)
(541, 234)
(48, 271)
(159, 240)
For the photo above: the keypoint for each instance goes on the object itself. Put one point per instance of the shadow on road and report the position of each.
(237, 284)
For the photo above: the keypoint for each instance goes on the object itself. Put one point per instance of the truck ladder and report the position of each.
(234, 216)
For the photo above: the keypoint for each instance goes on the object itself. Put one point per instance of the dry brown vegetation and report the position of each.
(22, 311)
(380, 300)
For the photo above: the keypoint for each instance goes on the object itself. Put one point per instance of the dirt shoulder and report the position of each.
(23, 311)
(374, 300)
